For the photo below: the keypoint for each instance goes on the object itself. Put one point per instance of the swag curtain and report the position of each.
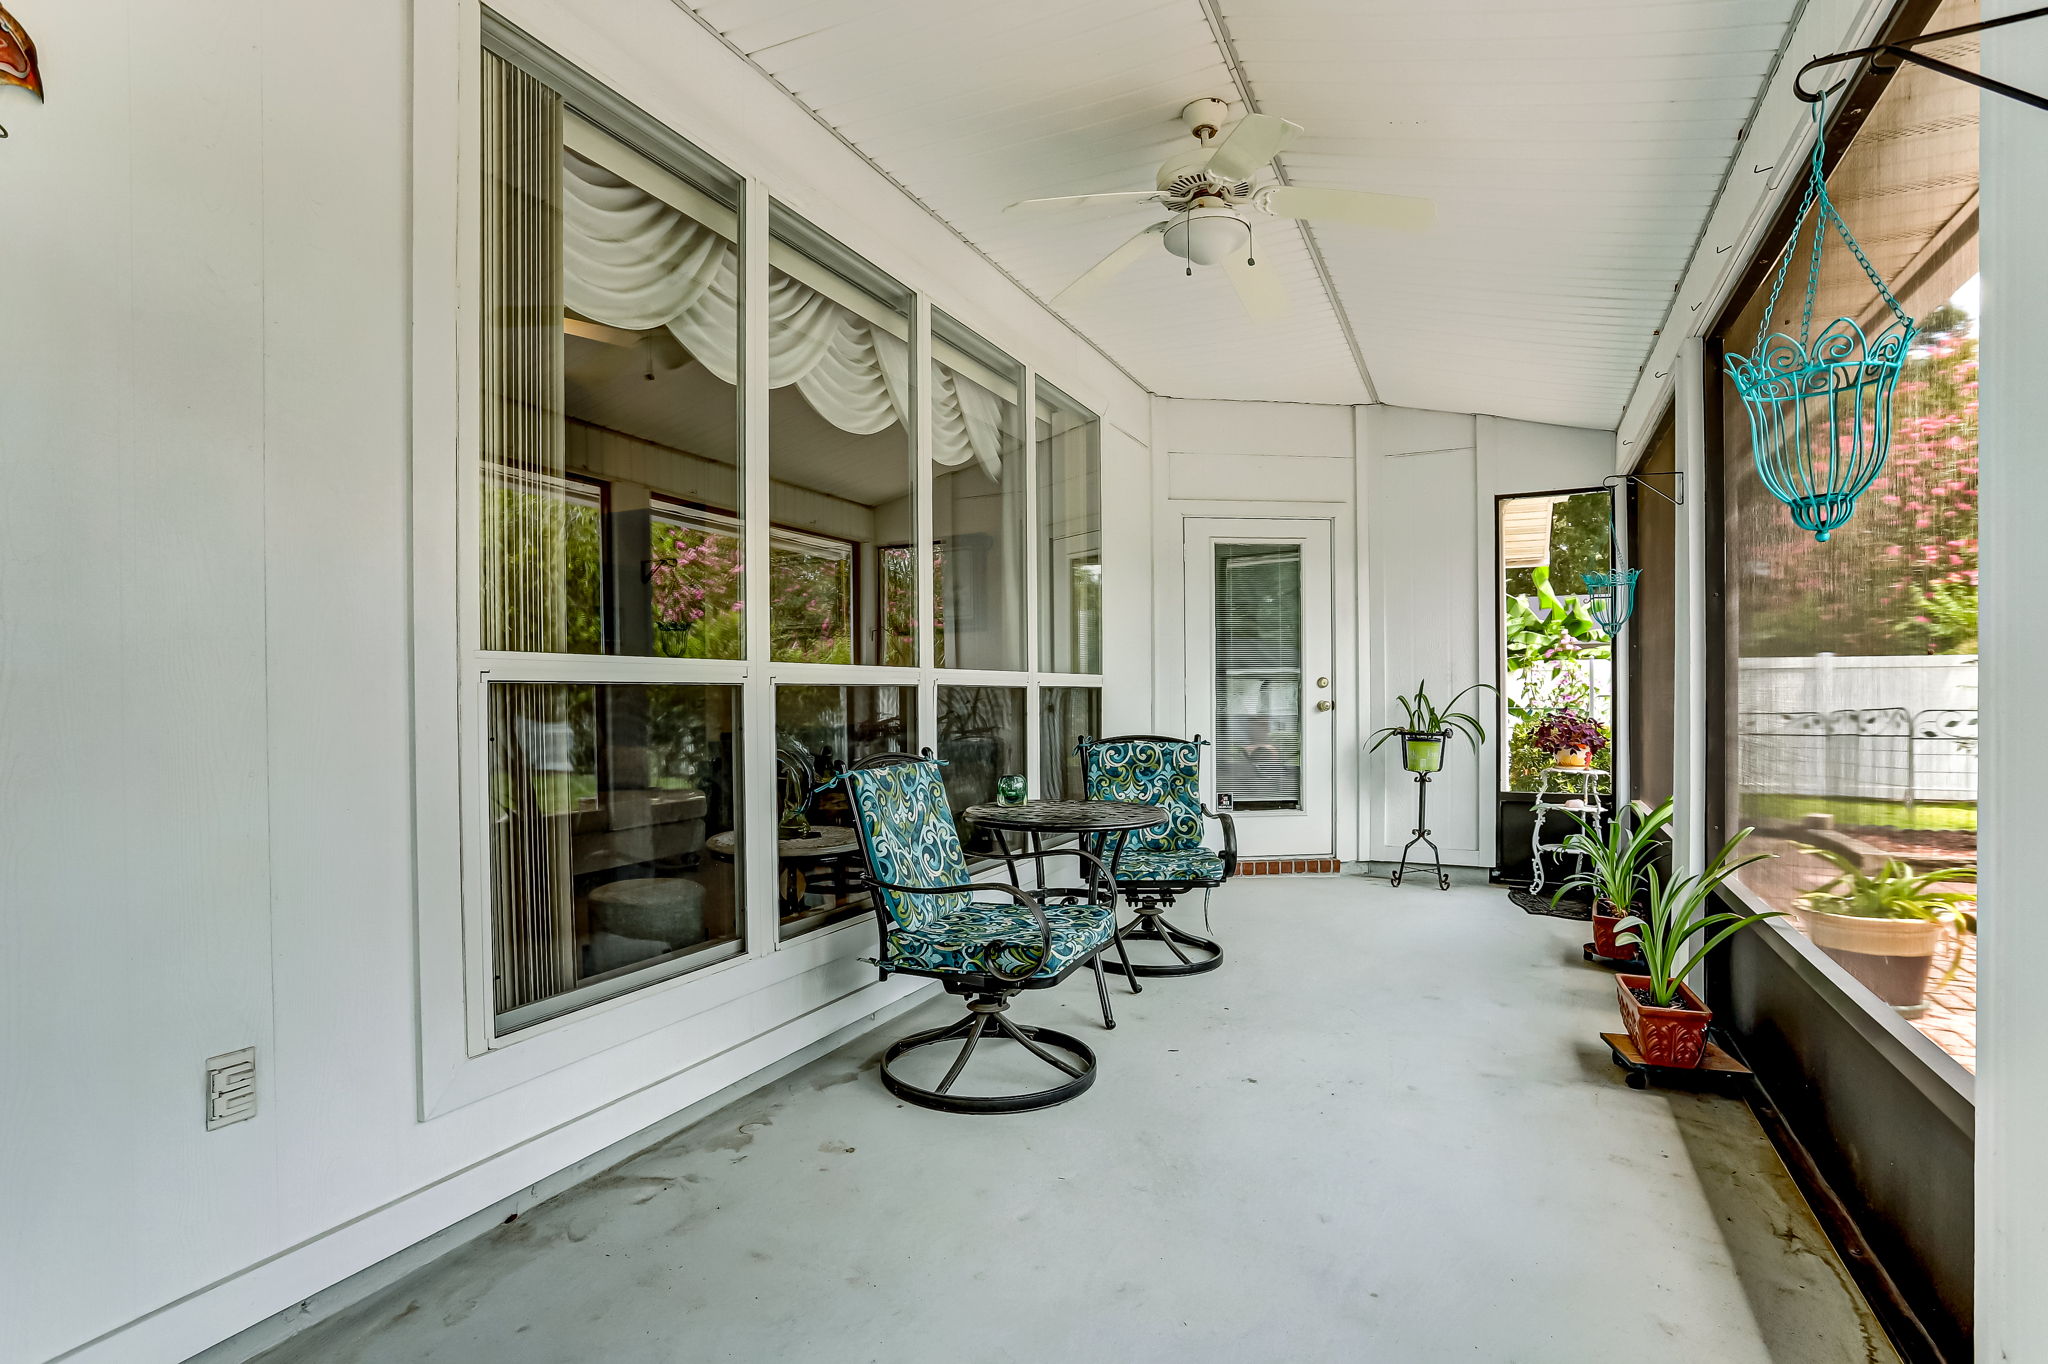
(631, 260)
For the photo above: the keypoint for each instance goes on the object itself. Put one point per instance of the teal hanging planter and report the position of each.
(1611, 598)
(1820, 407)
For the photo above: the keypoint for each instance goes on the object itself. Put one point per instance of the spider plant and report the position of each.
(1614, 862)
(1896, 891)
(1677, 910)
(1425, 716)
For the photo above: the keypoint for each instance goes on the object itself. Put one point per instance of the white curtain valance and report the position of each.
(631, 260)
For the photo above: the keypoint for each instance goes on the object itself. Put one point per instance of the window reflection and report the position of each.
(602, 798)
(819, 731)
(981, 737)
(1067, 714)
(978, 502)
(1069, 534)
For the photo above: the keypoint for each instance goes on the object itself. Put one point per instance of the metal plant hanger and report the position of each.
(1887, 56)
(1820, 406)
(1611, 596)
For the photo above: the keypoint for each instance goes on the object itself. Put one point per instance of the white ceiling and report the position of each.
(1574, 151)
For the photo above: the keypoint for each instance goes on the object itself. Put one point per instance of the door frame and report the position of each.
(1170, 705)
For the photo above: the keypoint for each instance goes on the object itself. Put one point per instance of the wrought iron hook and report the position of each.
(1902, 51)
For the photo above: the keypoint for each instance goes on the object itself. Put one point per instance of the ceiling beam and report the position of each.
(1213, 12)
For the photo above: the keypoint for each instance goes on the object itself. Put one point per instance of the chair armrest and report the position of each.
(1229, 824)
(1017, 893)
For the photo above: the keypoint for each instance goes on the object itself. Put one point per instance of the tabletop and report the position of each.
(1067, 816)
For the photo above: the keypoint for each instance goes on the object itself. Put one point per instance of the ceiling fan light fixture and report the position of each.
(1208, 236)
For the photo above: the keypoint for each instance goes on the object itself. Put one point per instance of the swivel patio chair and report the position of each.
(932, 924)
(1160, 864)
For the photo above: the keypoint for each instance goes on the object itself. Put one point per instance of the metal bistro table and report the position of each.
(1101, 825)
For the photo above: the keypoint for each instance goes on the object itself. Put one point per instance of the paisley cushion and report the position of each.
(1197, 865)
(906, 830)
(1154, 773)
(1003, 937)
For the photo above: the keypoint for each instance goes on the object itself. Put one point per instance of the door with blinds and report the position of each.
(1258, 676)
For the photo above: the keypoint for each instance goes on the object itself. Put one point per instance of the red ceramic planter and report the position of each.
(1664, 1037)
(1604, 921)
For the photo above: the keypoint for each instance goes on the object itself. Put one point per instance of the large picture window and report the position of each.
(1851, 677)
(621, 629)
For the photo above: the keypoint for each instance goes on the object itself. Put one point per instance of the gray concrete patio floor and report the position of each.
(1386, 1130)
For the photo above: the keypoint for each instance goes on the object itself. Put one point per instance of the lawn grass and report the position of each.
(1851, 813)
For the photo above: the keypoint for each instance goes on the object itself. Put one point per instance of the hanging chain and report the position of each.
(1817, 192)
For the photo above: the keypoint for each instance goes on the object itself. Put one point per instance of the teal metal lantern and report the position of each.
(1820, 407)
(1611, 598)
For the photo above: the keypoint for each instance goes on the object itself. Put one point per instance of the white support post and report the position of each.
(1689, 633)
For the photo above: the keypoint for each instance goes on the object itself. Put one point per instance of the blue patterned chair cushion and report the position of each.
(1152, 773)
(1189, 864)
(906, 830)
(1001, 938)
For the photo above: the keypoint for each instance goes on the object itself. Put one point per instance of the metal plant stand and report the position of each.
(1421, 832)
(1585, 803)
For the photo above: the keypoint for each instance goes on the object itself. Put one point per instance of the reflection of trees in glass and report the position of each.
(694, 585)
(1901, 578)
(810, 604)
(526, 519)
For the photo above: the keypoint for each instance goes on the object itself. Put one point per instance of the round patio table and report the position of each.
(1101, 825)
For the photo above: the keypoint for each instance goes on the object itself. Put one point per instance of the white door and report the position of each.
(1258, 677)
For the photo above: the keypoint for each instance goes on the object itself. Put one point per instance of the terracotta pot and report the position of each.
(1892, 956)
(1573, 757)
(1605, 918)
(1664, 1037)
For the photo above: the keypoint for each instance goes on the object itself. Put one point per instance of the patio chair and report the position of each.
(1158, 865)
(937, 922)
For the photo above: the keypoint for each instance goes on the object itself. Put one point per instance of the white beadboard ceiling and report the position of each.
(1573, 150)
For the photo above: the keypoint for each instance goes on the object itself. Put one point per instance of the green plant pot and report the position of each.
(1422, 752)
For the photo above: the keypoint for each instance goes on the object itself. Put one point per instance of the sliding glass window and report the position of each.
(610, 517)
(841, 458)
(1069, 452)
(978, 501)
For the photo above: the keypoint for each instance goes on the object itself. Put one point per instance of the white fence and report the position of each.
(1895, 729)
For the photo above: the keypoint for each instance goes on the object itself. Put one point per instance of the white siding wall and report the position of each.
(1428, 482)
(206, 651)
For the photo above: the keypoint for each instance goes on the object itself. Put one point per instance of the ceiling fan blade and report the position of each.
(1255, 140)
(1349, 206)
(1110, 266)
(1259, 289)
(1077, 200)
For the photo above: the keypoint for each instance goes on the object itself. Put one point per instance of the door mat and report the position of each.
(1540, 904)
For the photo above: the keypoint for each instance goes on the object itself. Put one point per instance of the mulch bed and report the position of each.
(1943, 845)
(1567, 908)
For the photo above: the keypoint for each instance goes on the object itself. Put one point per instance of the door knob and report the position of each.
(1326, 705)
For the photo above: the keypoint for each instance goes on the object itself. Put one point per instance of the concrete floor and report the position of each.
(1385, 1131)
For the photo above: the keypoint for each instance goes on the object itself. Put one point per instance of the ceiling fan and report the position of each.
(1210, 190)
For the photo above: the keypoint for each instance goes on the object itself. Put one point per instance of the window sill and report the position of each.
(1939, 1077)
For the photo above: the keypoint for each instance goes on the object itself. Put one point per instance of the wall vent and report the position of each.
(230, 1087)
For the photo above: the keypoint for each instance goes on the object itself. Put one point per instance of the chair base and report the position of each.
(985, 1019)
(1152, 924)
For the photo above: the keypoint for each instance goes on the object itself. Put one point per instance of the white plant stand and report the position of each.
(1572, 791)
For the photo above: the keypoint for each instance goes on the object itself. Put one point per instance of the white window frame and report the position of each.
(464, 1057)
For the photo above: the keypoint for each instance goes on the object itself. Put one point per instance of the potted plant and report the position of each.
(1612, 868)
(1884, 927)
(1664, 1018)
(1569, 738)
(1428, 725)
